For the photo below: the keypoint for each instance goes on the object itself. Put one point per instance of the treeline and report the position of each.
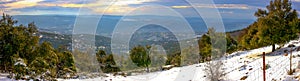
(145, 57)
(211, 38)
(23, 56)
(106, 62)
(277, 24)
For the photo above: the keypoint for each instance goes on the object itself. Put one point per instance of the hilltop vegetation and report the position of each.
(23, 56)
(24, 51)
(276, 25)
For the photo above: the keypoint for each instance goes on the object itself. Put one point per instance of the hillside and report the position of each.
(237, 65)
(66, 40)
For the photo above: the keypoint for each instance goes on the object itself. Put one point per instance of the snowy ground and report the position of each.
(279, 64)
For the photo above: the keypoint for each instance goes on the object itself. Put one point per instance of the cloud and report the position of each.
(21, 4)
(226, 12)
(220, 6)
(114, 7)
(6, 1)
(296, 0)
(120, 7)
(66, 5)
(9, 6)
(11, 12)
(70, 5)
(181, 6)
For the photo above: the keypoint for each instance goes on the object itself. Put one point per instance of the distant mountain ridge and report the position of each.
(58, 29)
(63, 24)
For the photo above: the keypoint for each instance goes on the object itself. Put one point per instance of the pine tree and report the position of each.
(22, 43)
(231, 45)
(278, 24)
(204, 47)
(6, 47)
(106, 62)
(140, 56)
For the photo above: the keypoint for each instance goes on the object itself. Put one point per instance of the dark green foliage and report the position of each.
(20, 69)
(175, 60)
(213, 38)
(205, 48)
(140, 55)
(278, 24)
(66, 63)
(249, 40)
(231, 45)
(55, 64)
(106, 62)
(22, 55)
(101, 57)
(110, 64)
(38, 66)
(18, 41)
(47, 53)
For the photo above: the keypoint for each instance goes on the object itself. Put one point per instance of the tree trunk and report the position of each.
(273, 47)
(291, 71)
(5, 68)
(148, 69)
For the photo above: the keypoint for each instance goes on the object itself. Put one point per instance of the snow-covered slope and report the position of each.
(251, 59)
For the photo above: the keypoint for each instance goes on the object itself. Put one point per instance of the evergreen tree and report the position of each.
(212, 49)
(21, 54)
(140, 56)
(278, 24)
(212, 45)
(101, 57)
(205, 47)
(16, 41)
(106, 62)
(231, 45)
(47, 53)
(66, 63)
(6, 34)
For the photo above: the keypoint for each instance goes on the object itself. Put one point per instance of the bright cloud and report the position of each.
(181, 6)
(114, 7)
(71, 5)
(127, 2)
(119, 7)
(99, 6)
(6, 0)
(21, 4)
(220, 6)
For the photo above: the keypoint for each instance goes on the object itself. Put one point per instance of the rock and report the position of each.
(244, 78)
(167, 67)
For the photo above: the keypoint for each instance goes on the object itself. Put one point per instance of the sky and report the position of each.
(227, 8)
